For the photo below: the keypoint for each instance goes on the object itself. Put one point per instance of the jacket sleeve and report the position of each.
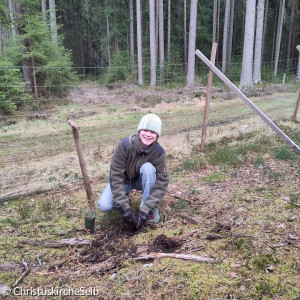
(117, 176)
(160, 187)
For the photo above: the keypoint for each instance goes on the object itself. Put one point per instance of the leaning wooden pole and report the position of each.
(90, 216)
(208, 97)
(268, 121)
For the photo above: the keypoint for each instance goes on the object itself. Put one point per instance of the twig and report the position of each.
(175, 255)
(189, 218)
(27, 269)
(179, 197)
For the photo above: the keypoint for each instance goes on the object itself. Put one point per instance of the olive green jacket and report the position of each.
(127, 159)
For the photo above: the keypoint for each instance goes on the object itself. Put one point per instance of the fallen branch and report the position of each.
(60, 243)
(23, 274)
(105, 266)
(188, 218)
(178, 256)
(179, 197)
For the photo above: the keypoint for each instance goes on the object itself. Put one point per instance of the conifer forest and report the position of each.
(46, 45)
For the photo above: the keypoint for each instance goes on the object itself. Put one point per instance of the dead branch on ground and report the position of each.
(178, 256)
(60, 243)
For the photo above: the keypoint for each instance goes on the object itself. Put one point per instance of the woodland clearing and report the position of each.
(236, 204)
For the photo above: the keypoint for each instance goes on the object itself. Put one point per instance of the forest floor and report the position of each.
(230, 221)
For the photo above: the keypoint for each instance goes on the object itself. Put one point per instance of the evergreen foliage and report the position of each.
(12, 87)
(49, 63)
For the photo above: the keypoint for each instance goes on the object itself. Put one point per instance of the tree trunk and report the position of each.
(53, 25)
(139, 41)
(258, 41)
(35, 89)
(25, 63)
(225, 36)
(192, 44)
(1, 43)
(215, 11)
(88, 34)
(108, 42)
(298, 68)
(246, 75)
(157, 28)
(12, 17)
(184, 37)
(265, 28)
(161, 38)
(131, 30)
(152, 42)
(230, 38)
(291, 30)
(218, 28)
(169, 30)
(44, 9)
(278, 35)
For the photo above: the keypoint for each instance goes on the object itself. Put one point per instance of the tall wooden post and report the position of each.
(296, 107)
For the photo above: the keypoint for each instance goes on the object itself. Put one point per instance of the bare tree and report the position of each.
(53, 24)
(190, 78)
(215, 10)
(44, 9)
(291, 31)
(26, 62)
(184, 36)
(246, 75)
(1, 36)
(12, 17)
(225, 35)
(131, 30)
(161, 37)
(152, 42)
(278, 35)
(258, 41)
(230, 36)
(265, 27)
(139, 41)
(298, 69)
(169, 30)
(108, 41)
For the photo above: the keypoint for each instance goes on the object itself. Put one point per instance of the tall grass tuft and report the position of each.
(225, 156)
(283, 152)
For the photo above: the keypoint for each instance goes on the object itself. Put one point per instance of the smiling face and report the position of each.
(147, 137)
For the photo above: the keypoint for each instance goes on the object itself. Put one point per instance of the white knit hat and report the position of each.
(151, 122)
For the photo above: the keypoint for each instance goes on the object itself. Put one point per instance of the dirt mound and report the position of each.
(163, 243)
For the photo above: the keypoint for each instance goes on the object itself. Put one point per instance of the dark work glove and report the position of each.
(127, 215)
(142, 219)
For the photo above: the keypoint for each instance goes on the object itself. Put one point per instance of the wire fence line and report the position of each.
(109, 76)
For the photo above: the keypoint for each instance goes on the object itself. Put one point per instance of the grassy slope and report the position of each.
(242, 194)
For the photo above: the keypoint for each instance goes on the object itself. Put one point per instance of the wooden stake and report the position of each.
(208, 97)
(86, 180)
(238, 92)
(296, 107)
